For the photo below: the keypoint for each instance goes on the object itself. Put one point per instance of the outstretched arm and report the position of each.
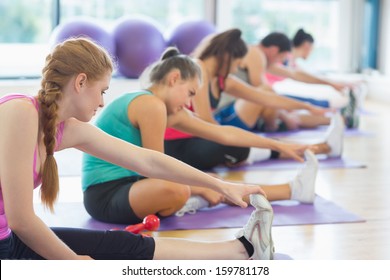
(146, 162)
(305, 77)
(234, 86)
(232, 136)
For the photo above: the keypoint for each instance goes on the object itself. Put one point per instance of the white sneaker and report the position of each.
(335, 135)
(193, 204)
(303, 185)
(350, 112)
(258, 229)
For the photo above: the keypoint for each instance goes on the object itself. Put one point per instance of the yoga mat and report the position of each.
(315, 133)
(288, 164)
(286, 213)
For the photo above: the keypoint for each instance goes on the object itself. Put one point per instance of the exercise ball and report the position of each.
(139, 42)
(84, 28)
(188, 35)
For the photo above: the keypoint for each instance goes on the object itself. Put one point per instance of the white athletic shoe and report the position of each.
(258, 228)
(350, 112)
(303, 185)
(335, 135)
(193, 204)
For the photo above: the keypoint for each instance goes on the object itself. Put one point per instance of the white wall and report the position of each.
(351, 12)
(384, 39)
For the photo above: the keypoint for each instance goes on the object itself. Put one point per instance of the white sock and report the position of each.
(258, 154)
(193, 204)
(303, 185)
(335, 135)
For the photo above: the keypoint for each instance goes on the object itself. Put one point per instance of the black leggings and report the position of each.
(204, 154)
(99, 245)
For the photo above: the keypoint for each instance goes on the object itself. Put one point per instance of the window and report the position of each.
(258, 18)
(25, 28)
(26, 25)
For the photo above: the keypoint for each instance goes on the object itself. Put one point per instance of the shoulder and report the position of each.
(19, 110)
(254, 56)
(256, 53)
(148, 102)
(75, 132)
(19, 123)
(147, 106)
(254, 50)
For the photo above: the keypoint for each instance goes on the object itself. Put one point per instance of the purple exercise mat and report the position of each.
(285, 164)
(285, 213)
(316, 133)
(222, 216)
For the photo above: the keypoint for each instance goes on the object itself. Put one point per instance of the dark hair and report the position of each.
(173, 59)
(227, 43)
(277, 39)
(301, 37)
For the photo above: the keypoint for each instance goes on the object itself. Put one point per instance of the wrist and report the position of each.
(274, 145)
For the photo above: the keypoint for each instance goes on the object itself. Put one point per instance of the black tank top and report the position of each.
(221, 86)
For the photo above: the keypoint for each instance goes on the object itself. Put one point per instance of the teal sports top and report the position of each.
(113, 119)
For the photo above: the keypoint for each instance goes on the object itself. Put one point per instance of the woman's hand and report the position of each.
(292, 150)
(213, 197)
(319, 111)
(235, 192)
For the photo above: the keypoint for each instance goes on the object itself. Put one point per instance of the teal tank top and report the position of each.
(113, 119)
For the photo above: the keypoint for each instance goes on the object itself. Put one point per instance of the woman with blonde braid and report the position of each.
(75, 77)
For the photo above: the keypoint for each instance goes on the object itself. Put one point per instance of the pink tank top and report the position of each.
(4, 229)
(173, 134)
(272, 79)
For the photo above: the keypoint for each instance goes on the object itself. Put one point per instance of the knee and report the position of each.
(178, 194)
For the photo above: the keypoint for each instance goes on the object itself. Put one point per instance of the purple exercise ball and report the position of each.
(139, 43)
(84, 28)
(188, 35)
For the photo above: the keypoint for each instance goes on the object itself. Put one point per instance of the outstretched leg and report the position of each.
(301, 188)
(253, 241)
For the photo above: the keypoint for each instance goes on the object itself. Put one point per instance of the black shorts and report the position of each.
(204, 154)
(109, 201)
(98, 244)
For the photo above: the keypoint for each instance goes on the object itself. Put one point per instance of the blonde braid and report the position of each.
(68, 59)
(48, 97)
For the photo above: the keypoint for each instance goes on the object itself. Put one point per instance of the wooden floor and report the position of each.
(365, 192)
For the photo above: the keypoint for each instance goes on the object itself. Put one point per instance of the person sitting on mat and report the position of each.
(224, 51)
(267, 58)
(301, 47)
(275, 69)
(76, 75)
(219, 56)
(117, 195)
